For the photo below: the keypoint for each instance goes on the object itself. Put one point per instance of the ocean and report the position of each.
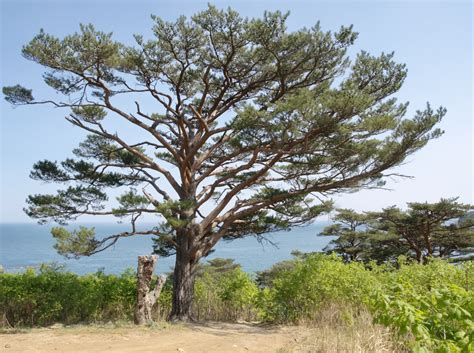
(30, 245)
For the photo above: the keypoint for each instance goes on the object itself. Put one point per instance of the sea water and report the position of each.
(30, 245)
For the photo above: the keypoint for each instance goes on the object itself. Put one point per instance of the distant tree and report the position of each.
(244, 126)
(349, 228)
(430, 230)
(425, 230)
(266, 277)
(217, 266)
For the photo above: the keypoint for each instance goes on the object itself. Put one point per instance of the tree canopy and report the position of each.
(246, 128)
(425, 230)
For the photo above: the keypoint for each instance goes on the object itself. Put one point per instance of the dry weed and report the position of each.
(338, 329)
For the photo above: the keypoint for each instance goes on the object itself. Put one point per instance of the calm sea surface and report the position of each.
(24, 245)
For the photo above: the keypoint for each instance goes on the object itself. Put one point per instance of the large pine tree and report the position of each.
(244, 127)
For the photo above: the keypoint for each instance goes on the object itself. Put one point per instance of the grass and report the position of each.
(337, 330)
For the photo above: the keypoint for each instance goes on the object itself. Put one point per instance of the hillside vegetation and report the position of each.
(428, 308)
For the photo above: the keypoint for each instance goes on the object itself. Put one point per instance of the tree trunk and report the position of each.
(146, 298)
(183, 288)
(419, 256)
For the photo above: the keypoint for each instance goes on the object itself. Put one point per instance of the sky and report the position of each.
(433, 38)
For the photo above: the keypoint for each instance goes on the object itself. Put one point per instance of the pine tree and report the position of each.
(425, 230)
(244, 126)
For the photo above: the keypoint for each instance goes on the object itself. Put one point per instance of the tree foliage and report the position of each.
(442, 229)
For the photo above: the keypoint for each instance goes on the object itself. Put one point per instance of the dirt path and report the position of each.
(196, 338)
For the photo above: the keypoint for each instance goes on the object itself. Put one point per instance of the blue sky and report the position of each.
(433, 38)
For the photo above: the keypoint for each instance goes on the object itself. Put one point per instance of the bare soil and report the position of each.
(193, 338)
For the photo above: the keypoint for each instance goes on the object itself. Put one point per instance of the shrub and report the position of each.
(433, 304)
(430, 306)
(299, 292)
(224, 292)
(52, 295)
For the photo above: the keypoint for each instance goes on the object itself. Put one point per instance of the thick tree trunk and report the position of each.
(183, 288)
(146, 298)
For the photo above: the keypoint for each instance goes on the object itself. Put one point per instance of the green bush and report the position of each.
(51, 295)
(297, 293)
(432, 303)
(224, 292)
(431, 306)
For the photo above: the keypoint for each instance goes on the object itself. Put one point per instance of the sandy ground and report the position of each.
(195, 338)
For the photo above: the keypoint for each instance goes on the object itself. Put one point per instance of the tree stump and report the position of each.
(146, 298)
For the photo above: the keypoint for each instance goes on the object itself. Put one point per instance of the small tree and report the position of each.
(244, 126)
(441, 229)
(350, 228)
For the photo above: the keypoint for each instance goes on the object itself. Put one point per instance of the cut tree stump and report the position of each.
(146, 298)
